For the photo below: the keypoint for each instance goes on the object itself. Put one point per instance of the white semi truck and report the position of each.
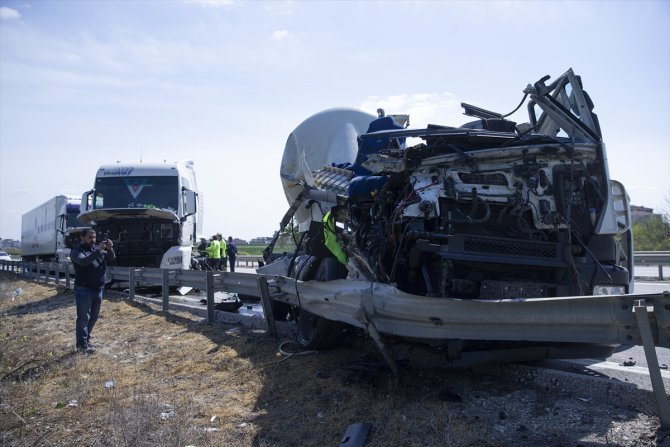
(46, 229)
(152, 212)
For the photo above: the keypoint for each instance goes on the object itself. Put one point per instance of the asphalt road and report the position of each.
(627, 363)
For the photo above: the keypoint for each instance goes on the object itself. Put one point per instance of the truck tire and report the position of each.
(303, 270)
(315, 332)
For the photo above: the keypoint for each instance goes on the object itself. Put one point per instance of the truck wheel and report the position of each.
(315, 332)
(303, 270)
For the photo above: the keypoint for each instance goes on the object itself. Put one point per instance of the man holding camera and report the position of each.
(90, 264)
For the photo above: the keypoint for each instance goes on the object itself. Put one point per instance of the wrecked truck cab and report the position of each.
(491, 210)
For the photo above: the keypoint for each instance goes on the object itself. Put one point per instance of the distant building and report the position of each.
(640, 213)
(238, 241)
(9, 243)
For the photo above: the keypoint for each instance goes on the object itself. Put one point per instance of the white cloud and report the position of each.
(9, 14)
(279, 8)
(280, 34)
(423, 108)
(212, 3)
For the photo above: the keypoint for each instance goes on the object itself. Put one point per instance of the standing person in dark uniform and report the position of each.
(231, 249)
(90, 264)
(224, 253)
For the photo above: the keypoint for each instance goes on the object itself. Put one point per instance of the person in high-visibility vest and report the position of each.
(214, 253)
(330, 238)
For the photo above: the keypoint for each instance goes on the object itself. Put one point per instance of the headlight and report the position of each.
(608, 289)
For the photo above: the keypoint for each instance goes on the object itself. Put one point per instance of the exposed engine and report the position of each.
(448, 218)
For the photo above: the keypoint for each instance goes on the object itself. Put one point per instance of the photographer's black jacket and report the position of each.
(90, 265)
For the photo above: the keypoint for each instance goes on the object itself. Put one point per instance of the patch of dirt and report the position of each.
(174, 380)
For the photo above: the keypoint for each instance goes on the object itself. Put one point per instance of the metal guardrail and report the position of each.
(648, 258)
(133, 278)
(395, 312)
(249, 261)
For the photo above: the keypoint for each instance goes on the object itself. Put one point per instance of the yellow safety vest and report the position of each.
(330, 239)
(214, 250)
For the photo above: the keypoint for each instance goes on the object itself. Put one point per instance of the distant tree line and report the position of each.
(652, 233)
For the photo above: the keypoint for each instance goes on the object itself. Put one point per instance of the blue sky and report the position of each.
(223, 83)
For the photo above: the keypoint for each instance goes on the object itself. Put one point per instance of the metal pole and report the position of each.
(210, 296)
(131, 284)
(660, 272)
(267, 306)
(67, 275)
(166, 290)
(642, 317)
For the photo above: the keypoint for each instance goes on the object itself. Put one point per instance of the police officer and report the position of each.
(214, 253)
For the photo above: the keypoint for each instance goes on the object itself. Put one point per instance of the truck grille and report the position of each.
(510, 247)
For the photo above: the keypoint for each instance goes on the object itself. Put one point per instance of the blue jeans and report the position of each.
(88, 308)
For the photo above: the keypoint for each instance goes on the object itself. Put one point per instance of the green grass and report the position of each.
(257, 250)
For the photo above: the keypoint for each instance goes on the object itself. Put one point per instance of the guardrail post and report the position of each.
(210, 296)
(67, 275)
(660, 272)
(57, 273)
(267, 306)
(131, 284)
(166, 290)
(642, 317)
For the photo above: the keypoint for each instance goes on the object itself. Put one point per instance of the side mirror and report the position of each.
(190, 199)
(86, 201)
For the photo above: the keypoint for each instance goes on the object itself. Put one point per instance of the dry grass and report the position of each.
(178, 381)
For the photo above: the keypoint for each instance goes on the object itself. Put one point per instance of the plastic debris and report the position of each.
(167, 415)
(73, 403)
(242, 425)
(212, 419)
(355, 435)
(109, 384)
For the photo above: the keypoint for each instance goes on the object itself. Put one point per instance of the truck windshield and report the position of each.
(137, 192)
